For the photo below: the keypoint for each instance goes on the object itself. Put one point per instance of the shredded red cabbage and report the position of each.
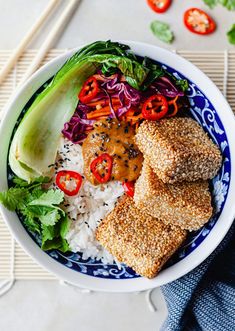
(127, 95)
(76, 129)
(164, 86)
(114, 86)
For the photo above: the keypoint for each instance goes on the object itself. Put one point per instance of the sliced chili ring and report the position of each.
(198, 21)
(89, 90)
(69, 182)
(101, 168)
(159, 6)
(129, 188)
(155, 107)
(172, 107)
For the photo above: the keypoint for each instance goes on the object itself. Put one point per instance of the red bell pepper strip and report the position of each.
(89, 90)
(198, 21)
(69, 182)
(155, 107)
(129, 188)
(101, 167)
(159, 6)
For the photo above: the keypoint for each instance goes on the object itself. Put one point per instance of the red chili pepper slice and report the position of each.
(69, 182)
(101, 167)
(159, 6)
(155, 107)
(129, 188)
(198, 21)
(89, 90)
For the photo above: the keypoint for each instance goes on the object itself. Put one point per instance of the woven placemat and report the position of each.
(219, 66)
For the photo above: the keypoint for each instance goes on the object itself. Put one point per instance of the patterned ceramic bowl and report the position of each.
(210, 109)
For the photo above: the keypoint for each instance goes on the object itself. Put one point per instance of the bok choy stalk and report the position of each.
(36, 140)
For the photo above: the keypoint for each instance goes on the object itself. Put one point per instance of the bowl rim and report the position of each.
(11, 113)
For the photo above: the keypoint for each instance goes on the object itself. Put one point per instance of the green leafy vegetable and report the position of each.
(14, 198)
(53, 236)
(162, 31)
(182, 83)
(229, 4)
(37, 181)
(49, 199)
(211, 3)
(155, 71)
(40, 209)
(231, 35)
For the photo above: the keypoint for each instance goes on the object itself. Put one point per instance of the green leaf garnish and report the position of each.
(231, 35)
(41, 211)
(229, 4)
(14, 198)
(162, 31)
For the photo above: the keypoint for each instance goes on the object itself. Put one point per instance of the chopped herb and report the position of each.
(41, 210)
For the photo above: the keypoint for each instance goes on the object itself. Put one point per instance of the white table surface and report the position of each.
(47, 305)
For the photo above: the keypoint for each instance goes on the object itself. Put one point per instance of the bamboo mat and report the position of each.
(219, 66)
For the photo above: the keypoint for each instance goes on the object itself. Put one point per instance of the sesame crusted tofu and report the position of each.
(186, 204)
(178, 149)
(140, 241)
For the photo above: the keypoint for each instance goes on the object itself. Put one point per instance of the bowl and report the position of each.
(210, 109)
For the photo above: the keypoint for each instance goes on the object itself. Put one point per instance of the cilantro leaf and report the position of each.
(51, 217)
(53, 237)
(41, 211)
(48, 233)
(31, 222)
(64, 226)
(20, 182)
(49, 198)
(13, 198)
(231, 35)
(64, 246)
(56, 243)
(162, 31)
(23, 183)
(229, 4)
(211, 3)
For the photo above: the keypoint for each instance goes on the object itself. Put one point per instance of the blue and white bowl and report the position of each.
(210, 109)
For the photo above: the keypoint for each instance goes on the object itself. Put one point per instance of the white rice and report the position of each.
(88, 207)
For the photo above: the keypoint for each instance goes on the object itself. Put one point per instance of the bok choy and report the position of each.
(36, 140)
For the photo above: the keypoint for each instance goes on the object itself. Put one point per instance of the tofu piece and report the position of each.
(141, 241)
(178, 150)
(186, 204)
